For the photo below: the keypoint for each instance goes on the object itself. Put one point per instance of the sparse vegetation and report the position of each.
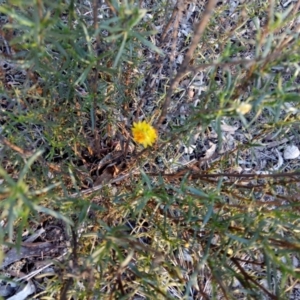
(208, 211)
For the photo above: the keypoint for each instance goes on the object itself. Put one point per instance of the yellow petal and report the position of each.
(244, 108)
(143, 133)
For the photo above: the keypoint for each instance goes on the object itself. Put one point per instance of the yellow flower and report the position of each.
(244, 108)
(144, 133)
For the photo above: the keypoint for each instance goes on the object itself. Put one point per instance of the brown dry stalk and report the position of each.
(249, 278)
(111, 7)
(200, 27)
(27, 153)
(195, 175)
(258, 176)
(296, 8)
(168, 25)
(22, 152)
(180, 8)
(219, 282)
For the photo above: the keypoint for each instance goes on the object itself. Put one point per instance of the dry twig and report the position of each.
(188, 56)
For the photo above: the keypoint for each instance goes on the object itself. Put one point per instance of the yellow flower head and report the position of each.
(144, 133)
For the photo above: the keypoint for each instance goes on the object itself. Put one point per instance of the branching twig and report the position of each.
(249, 278)
(188, 56)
